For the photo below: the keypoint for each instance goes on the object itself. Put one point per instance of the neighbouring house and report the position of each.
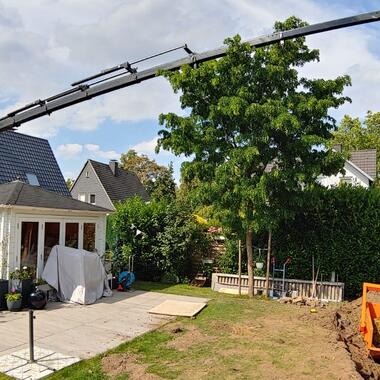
(359, 170)
(31, 160)
(36, 208)
(33, 220)
(104, 184)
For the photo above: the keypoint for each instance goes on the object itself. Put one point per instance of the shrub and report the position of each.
(170, 236)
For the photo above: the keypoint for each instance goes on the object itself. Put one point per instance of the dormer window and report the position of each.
(32, 179)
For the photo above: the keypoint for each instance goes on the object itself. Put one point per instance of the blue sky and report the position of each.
(45, 45)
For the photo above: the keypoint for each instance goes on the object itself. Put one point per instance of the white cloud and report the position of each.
(92, 147)
(146, 147)
(70, 150)
(95, 151)
(87, 36)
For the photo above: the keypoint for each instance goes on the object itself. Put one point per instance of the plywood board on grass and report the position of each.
(178, 308)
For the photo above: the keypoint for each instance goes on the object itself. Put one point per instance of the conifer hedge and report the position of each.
(341, 228)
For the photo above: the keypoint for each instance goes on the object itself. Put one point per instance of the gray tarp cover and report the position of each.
(76, 274)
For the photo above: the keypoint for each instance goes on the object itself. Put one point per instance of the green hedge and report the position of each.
(341, 228)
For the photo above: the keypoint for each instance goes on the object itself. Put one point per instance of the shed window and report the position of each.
(72, 234)
(29, 245)
(51, 238)
(89, 230)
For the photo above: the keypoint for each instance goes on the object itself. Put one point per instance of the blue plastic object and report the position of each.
(126, 279)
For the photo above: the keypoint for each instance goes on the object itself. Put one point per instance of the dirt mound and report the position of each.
(346, 321)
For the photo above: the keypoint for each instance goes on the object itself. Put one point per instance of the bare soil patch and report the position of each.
(117, 364)
(187, 337)
(288, 343)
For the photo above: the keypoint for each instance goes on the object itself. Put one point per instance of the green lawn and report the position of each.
(232, 338)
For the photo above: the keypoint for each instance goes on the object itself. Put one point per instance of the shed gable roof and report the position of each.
(23, 154)
(18, 193)
(124, 185)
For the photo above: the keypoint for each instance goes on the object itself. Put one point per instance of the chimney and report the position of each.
(338, 148)
(114, 167)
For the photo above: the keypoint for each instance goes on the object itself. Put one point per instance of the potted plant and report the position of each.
(22, 281)
(14, 300)
(260, 262)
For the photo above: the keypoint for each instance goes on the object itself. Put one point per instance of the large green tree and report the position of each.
(157, 179)
(353, 134)
(248, 111)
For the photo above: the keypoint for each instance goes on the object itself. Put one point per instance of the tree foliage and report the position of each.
(353, 134)
(69, 183)
(157, 179)
(248, 110)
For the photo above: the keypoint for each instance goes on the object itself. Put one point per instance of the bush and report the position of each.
(170, 236)
(228, 261)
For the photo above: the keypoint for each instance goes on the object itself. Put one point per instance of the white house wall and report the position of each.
(5, 231)
(359, 179)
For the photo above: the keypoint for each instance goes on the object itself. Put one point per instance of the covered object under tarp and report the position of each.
(76, 274)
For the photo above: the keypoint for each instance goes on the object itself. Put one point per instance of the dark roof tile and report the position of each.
(124, 185)
(21, 154)
(366, 160)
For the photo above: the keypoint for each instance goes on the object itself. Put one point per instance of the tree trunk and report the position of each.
(269, 254)
(239, 267)
(248, 244)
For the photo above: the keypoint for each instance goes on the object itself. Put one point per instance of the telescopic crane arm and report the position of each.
(126, 75)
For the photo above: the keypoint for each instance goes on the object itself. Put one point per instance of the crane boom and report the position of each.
(84, 91)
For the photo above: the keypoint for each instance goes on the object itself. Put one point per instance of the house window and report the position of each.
(87, 175)
(92, 199)
(82, 197)
(89, 230)
(51, 238)
(32, 179)
(72, 234)
(347, 180)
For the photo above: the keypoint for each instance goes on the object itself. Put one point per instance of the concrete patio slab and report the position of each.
(46, 362)
(84, 331)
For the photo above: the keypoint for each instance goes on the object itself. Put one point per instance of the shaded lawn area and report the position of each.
(232, 338)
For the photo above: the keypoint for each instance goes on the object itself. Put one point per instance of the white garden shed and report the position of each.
(33, 220)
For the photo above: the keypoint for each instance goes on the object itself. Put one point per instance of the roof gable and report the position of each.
(23, 154)
(125, 185)
(18, 193)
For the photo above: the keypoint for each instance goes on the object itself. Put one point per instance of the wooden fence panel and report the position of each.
(326, 291)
